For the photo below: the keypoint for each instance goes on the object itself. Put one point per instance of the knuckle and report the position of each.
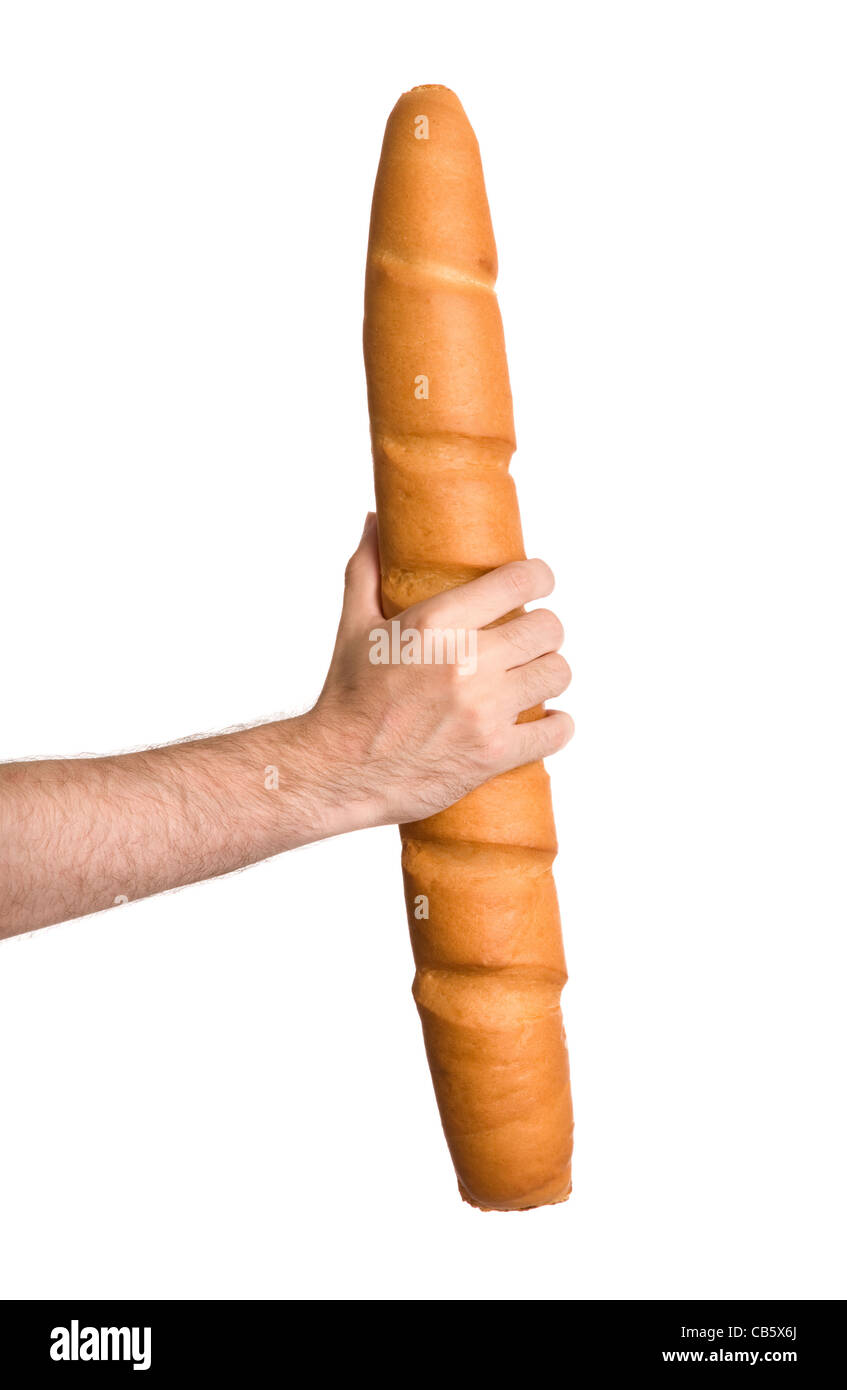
(455, 682)
(553, 629)
(528, 579)
(543, 578)
(529, 679)
(481, 719)
(518, 635)
(545, 678)
(518, 577)
(559, 731)
(560, 673)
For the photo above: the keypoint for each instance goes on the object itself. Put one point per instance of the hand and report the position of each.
(413, 738)
(384, 743)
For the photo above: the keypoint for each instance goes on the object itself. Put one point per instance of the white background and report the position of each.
(223, 1091)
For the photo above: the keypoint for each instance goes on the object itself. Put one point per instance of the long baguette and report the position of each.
(490, 964)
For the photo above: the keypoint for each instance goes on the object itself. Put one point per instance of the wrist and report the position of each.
(333, 752)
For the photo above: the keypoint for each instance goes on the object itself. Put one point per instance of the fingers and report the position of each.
(362, 600)
(490, 597)
(542, 738)
(523, 639)
(543, 679)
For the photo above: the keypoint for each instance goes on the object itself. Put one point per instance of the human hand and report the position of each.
(411, 737)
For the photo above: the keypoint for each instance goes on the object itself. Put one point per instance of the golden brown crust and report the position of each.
(490, 966)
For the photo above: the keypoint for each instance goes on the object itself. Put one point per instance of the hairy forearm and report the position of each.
(385, 742)
(78, 835)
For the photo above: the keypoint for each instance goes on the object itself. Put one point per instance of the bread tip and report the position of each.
(435, 90)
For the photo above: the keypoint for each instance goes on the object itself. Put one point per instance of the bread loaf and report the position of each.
(490, 965)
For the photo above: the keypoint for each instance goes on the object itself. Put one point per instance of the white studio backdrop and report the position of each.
(223, 1091)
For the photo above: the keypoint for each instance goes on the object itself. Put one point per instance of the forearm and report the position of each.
(79, 834)
(385, 742)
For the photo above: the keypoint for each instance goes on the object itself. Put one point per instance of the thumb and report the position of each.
(362, 602)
